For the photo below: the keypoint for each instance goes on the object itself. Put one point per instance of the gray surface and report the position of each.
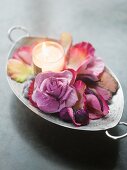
(26, 140)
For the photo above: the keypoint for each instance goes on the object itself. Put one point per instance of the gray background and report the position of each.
(27, 142)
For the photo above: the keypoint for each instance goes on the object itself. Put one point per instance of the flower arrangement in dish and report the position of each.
(65, 82)
(78, 91)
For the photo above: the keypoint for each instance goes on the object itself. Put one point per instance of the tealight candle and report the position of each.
(48, 56)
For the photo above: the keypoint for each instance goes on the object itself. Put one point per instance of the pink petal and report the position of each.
(63, 114)
(94, 106)
(23, 54)
(71, 114)
(74, 75)
(79, 53)
(82, 116)
(94, 116)
(72, 99)
(80, 88)
(84, 65)
(104, 92)
(93, 101)
(45, 102)
(93, 67)
(105, 106)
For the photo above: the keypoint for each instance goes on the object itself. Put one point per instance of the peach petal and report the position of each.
(66, 40)
(18, 71)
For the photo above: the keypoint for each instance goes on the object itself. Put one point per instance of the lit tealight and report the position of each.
(48, 56)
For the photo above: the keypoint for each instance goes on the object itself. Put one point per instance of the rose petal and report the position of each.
(83, 66)
(94, 67)
(103, 92)
(23, 54)
(71, 114)
(79, 53)
(72, 99)
(97, 106)
(80, 88)
(63, 114)
(45, 102)
(30, 92)
(97, 114)
(79, 117)
(105, 106)
(94, 116)
(66, 41)
(94, 107)
(87, 78)
(18, 71)
(82, 116)
(93, 102)
(107, 81)
(42, 76)
(55, 87)
(74, 73)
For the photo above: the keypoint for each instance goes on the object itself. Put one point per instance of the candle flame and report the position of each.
(44, 51)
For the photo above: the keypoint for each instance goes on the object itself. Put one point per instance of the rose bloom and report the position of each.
(54, 91)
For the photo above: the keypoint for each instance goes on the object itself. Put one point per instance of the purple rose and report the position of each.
(54, 91)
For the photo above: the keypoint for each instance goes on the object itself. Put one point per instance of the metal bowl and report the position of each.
(102, 124)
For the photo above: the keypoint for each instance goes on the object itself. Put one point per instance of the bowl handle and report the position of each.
(20, 28)
(117, 137)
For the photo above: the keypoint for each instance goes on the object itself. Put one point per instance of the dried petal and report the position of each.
(45, 102)
(92, 101)
(72, 116)
(82, 60)
(63, 114)
(107, 81)
(30, 92)
(23, 54)
(87, 78)
(74, 73)
(79, 117)
(82, 116)
(80, 88)
(96, 106)
(42, 76)
(18, 71)
(66, 40)
(107, 95)
(72, 98)
(92, 67)
(79, 53)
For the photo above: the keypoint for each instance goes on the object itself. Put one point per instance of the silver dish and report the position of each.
(103, 124)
